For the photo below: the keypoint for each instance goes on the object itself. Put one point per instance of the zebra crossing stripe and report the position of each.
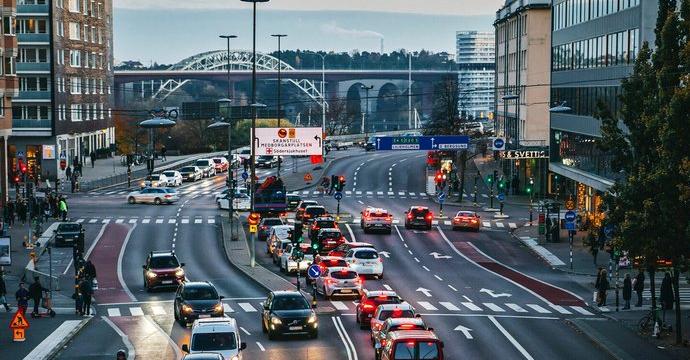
(145, 221)
(471, 306)
(500, 225)
(434, 222)
(114, 312)
(427, 305)
(157, 310)
(512, 225)
(227, 308)
(305, 192)
(132, 221)
(211, 221)
(119, 221)
(447, 222)
(105, 221)
(390, 193)
(136, 311)
(159, 221)
(515, 307)
(486, 224)
(401, 193)
(379, 193)
(411, 194)
(171, 221)
(560, 309)
(538, 309)
(348, 192)
(494, 307)
(185, 221)
(93, 221)
(581, 310)
(339, 305)
(449, 306)
(80, 221)
(358, 193)
(247, 307)
(198, 221)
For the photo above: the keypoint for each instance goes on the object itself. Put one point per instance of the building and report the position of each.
(63, 110)
(594, 46)
(476, 62)
(8, 88)
(523, 50)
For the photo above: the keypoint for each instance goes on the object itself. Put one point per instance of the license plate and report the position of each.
(420, 217)
(346, 291)
(167, 282)
(369, 315)
(204, 316)
(295, 328)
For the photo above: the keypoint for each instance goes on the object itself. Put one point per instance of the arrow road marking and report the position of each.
(439, 256)
(386, 254)
(424, 291)
(465, 331)
(494, 295)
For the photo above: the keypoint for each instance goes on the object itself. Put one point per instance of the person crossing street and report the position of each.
(22, 295)
(36, 290)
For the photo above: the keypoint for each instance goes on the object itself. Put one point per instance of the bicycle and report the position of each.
(646, 323)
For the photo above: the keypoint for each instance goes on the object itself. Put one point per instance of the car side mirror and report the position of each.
(243, 346)
(265, 306)
(181, 264)
(430, 329)
(221, 297)
(185, 348)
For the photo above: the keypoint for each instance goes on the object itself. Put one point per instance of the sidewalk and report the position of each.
(486, 166)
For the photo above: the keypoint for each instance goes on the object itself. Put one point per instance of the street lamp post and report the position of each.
(366, 114)
(228, 37)
(279, 36)
(231, 172)
(323, 96)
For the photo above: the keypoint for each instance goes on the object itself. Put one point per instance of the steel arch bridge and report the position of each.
(239, 59)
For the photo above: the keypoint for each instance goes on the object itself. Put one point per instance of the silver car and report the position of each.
(153, 196)
(207, 166)
(174, 177)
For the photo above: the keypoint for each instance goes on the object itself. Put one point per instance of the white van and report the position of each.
(216, 335)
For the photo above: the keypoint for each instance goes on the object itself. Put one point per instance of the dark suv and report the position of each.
(418, 216)
(312, 212)
(197, 300)
(288, 312)
(69, 234)
(162, 269)
(324, 222)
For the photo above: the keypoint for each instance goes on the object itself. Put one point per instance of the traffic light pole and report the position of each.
(570, 239)
(337, 212)
(491, 195)
(475, 190)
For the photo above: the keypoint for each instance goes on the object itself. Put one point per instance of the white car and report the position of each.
(191, 173)
(340, 281)
(277, 234)
(244, 154)
(153, 196)
(385, 311)
(216, 335)
(278, 247)
(376, 219)
(365, 261)
(207, 166)
(241, 202)
(288, 259)
(174, 177)
(155, 180)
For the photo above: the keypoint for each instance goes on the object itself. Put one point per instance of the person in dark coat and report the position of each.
(92, 155)
(86, 290)
(602, 288)
(36, 293)
(666, 296)
(89, 270)
(3, 293)
(11, 210)
(22, 295)
(627, 291)
(68, 172)
(639, 287)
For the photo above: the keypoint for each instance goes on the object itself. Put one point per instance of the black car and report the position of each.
(418, 216)
(293, 201)
(69, 234)
(311, 212)
(266, 161)
(195, 300)
(323, 222)
(265, 227)
(288, 312)
(369, 146)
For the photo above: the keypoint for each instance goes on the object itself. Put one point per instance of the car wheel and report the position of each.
(314, 334)
(271, 335)
(132, 200)
(157, 201)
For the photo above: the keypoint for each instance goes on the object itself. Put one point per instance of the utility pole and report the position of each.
(366, 89)
(279, 36)
(409, 91)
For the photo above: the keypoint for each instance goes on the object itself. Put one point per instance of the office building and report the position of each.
(476, 62)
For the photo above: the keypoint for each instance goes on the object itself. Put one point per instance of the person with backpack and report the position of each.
(86, 290)
(62, 205)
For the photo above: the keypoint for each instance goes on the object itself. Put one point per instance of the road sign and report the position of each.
(441, 197)
(245, 176)
(608, 230)
(498, 143)
(20, 154)
(440, 142)
(308, 177)
(314, 271)
(288, 141)
(253, 228)
(338, 195)
(501, 197)
(570, 204)
(18, 325)
(570, 216)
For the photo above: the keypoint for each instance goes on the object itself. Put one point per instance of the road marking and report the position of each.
(42, 351)
(471, 306)
(261, 347)
(159, 221)
(93, 221)
(401, 193)
(370, 193)
(316, 192)
(305, 192)
(515, 307)
(247, 307)
(500, 225)
(171, 221)
(157, 310)
(227, 308)
(358, 192)
(425, 268)
(344, 337)
(409, 251)
(449, 306)
(405, 245)
(120, 278)
(390, 193)
(387, 287)
(486, 224)
(132, 221)
(119, 221)
(136, 311)
(447, 222)
(581, 310)
(560, 309)
(114, 312)
(360, 202)
(352, 234)
(494, 307)
(79, 221)
(379, 193)
(512, 225)
(484, 195)
(427, 305)
(511, 338)
(539, 309)
(211, 221)
(339, 305)
(185, 221)
(452, 288)
(198, 221)
(415, 259)
(467, 298)
(145, 221)
(245, 331)
(438, 277)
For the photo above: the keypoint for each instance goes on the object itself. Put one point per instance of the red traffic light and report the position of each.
(341, 179)
(22, 166)
(16, 179)
(253, 219)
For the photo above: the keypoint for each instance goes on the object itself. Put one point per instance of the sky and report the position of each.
(167, 31)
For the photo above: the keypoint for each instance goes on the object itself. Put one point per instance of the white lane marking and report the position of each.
(425, 268)
(581, 310)
(484, 195)
(227, 308)
(136, 311)
(120, 278)
(512, 225)
(538, 309)
(511, 338)
(247, 307)
(158, 310)
(119, 221)
(500, 225)
(245, 331)
(494, 307)
(352, 234)
(132, 221)
(178, 352)
(347, 337)
(339, 305)
(427, 305)
(131, 353)
(471, 306)
(452, 288)
(447, 222)
(370, 193)
(449, 306)
(415, 259)
(486, 224)
(348, 351)
(316, 192)
(379, 193)
(185, 221)
(171, 221)
(438, 277)
(93, 221)
(211, 221)
(305, 192)
(516, 307)
(360, 202)
(198, 221)
(159, 221)
(387, 287)
(348, 192)
(261, 347)
(405, 245)
(145, 221)
(401, 193)
(79, 221)
(390, 193)
(560, 309)
(467, 298)
(409, 251)
(358, 192)
(412, 194)
(114, 312)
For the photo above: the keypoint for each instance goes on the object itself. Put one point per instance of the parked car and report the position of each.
(174, 177)
(153, 196)
(191, 173)
(155, 180)
(221, 164)
(208, 168)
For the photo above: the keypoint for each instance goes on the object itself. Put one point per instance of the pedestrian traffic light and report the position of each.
(16, 179)
(341, 182)
(502, 184)
(253, 219)
(22, 166)
(530, 184)
(490, 179)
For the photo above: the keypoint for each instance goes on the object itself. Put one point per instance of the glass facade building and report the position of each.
(475, 55)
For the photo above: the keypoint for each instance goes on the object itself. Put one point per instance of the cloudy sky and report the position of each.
(167, 31)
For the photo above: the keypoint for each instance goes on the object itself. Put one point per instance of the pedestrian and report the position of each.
(86, 290)
(627, 291)
(11, 209)
(46, 208)
(68, 172)
(245, 164)
(22, 296)
(163, 151)
(666, 295)
(593, 246)
(602, 288)
(21, 211)
(36, 293)
(63, 208)
(92, 155)
(638, 285)
(3, 292)
(89, 270)
(121, 355)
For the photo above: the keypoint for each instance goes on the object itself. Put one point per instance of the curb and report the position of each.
(58, 347)
(594, 336)
(560, 269)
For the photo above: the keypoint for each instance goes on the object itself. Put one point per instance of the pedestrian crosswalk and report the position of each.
(485, 224)
(647, 294)
(147, 220)
(349, 307)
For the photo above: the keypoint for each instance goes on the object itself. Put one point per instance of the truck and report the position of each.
(270, 196)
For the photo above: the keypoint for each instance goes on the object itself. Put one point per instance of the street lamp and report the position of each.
(279, 36)
(323, 95)
(155, 123)
(366, 114)
(562, 108)
(228, 37)
(231, 173)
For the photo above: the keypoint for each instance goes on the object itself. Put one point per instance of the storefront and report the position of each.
(39, 159)
(526, 170)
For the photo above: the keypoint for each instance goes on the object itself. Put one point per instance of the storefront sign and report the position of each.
(48, 152)
(525, 154)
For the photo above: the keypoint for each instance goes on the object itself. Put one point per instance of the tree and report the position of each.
(648, 205)
(445, 117)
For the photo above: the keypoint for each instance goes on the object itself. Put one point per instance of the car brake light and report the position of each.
(334, 261)
(406, 326)
(397, 313)
(429, 216)
(377, 327)
(264, 227)
(409, 216)
(168, 196)
(473, 221)
(368, 306)
(383, 342)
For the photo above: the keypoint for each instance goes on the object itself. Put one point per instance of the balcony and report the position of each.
(29, 67)
(32, 9)
(33, 38)
(33, 95)
(31, 124)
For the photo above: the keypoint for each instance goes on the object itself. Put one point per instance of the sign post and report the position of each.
(501, 198)
(288, 141)
(314, 271)
(19, 324)
(570, 217)
(338, 196)
(441, 200)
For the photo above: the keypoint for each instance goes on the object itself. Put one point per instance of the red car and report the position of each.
(328, 239)
(221, 164)
(342, 249)
(466, 220)
(412, 344)
(368, 303)
(324, 222)
(162, 269)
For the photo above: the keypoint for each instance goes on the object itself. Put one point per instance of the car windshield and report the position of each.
(315, 211)
(367, 254)
(304, 204)
(200, 293)
(330, 234)
(162, 262)
(420, 212)
(281, 232)
(428, 350)
(214, 341)
(293, 198)
(153, 177)
(217, 161)
(325, 224)
(296, 302)
(69, 227)
(465, 214)
(245, 152)
(169, 173)
(187, 169)
(264, 157)
(334, 263)
(273, 222)
(202, 163)
(385, 314)
(343, 274)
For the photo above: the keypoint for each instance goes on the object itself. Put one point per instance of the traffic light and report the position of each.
(16, 179)
(489, 179)
(502, 183)
(341, 183)
(22, 166)
(439, 178)
(495, 175)
(530, 184)
(254, 218)
(296, 234)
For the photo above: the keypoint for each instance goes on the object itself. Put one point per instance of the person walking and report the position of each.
(627, 291)
(22, 296)
(86, 290)
(163, 151)
(92, 155)
(36, 293)
(63, 208)
(68, 172)
(89, 270)
(602, 288)
(11, 209)
(3, 292)
(638, 285)
(666, 295)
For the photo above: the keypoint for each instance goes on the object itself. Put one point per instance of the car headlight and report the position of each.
(218, 308)
(235, 358)
(179, 273)
(151, 275)
(276, 321)
(312, 319)
(187, 309)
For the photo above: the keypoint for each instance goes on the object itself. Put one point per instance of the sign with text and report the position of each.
(525, 154)
(440, 142)
(48, 152)
(288, 141)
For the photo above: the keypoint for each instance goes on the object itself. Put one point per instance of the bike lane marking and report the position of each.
(111, 287)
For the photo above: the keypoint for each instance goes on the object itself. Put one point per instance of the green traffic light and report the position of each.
(489, 179)
(315, 246)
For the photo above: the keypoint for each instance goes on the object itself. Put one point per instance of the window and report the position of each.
(30, 112)
(86, 33)
(86, 59)
(60, 4)
(60, 27)
(87, 112)
(93, 34)
(100, 86)
(31, 2)
(85, 7)
(75, 58)
(74, 6)
(76, 112)
(100, 35)
(93, 86)
(100, 107)
(9, 65)
(60, 56)
(74, 31)
(33, 55)
(31, 26)
(33, 84)
(75, 85)
(93, 60)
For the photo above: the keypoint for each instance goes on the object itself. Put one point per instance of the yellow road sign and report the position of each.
(253, 228)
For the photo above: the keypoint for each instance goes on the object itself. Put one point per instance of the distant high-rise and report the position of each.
(476, 61)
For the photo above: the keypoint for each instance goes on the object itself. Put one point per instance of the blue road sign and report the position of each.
(245, 176)
(499, 143)
(314, 271)
(441, 197)
(20, 154)
(338, 195)
(570, 216)
(501, 197)
(608, 230)
(440, 142)
(569, 225)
